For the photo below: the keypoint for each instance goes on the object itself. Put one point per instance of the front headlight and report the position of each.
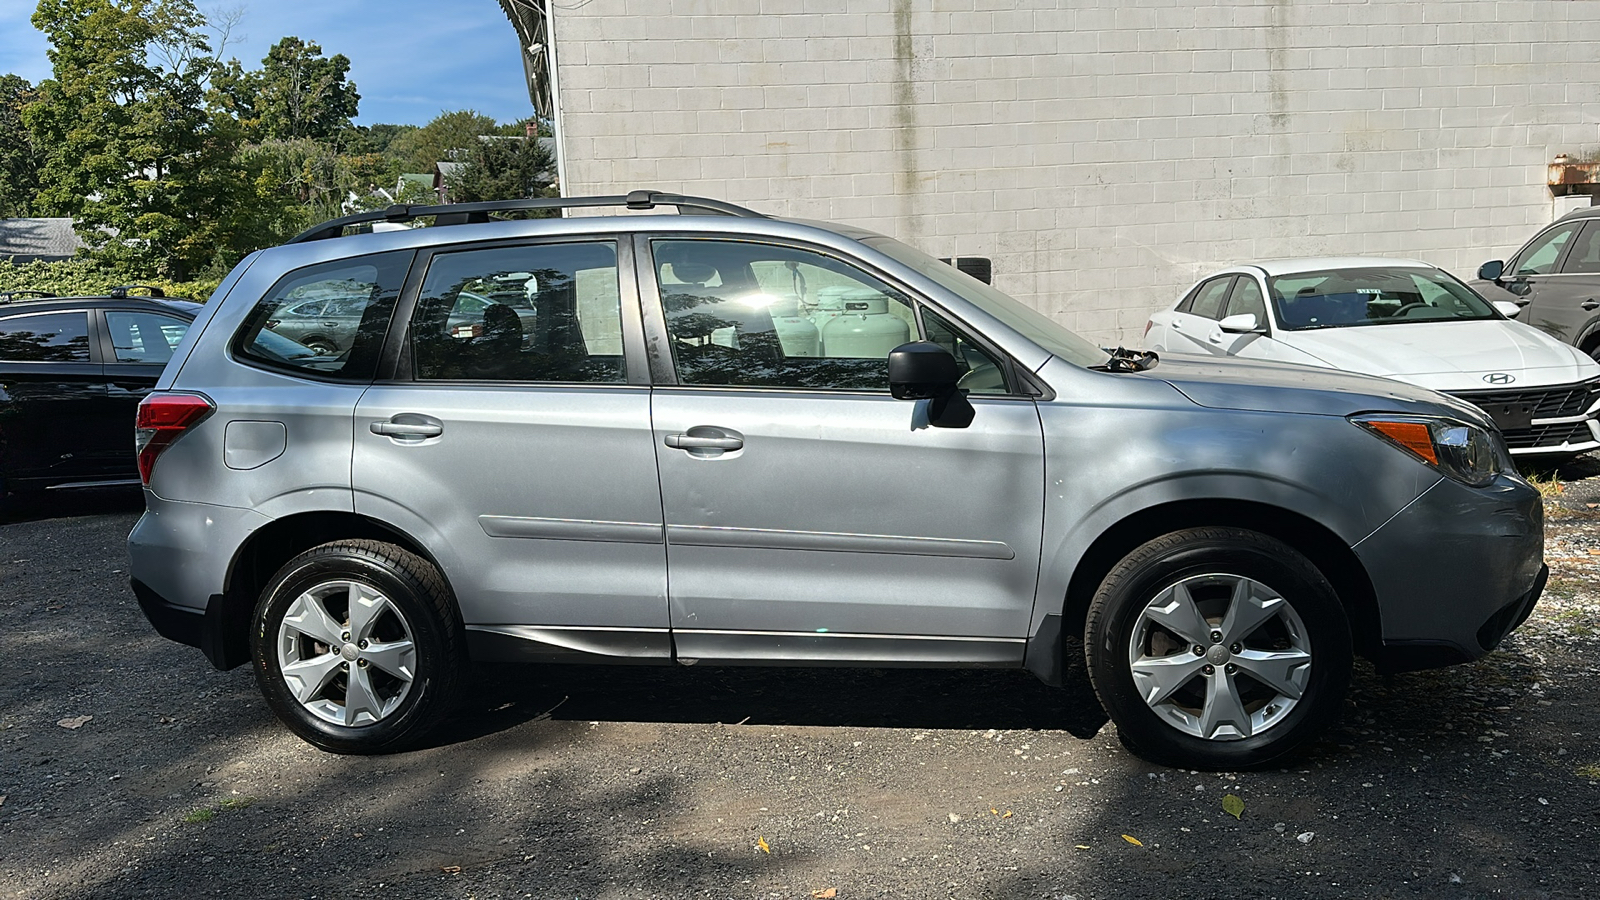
(1465, 452)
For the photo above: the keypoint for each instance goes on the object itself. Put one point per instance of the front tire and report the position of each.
(1217, 648)
(357, 647)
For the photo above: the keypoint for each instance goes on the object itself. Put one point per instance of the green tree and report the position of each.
(131, 149)
(299, 93)
(19, 156)
(503, 168)
(448, 135)
(376, 138)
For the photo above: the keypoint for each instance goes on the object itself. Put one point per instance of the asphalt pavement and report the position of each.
(130, 768)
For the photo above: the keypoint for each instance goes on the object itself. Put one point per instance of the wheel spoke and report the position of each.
(398, 658)
(1158, 677)
(1285, 671)
(308, 616)
(365, 609)
(1180, 616)
(1223, 707)
(359, 697)
(308, 678)
(1247, 611)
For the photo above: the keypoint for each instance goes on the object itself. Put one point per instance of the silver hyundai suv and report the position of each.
(719, 438)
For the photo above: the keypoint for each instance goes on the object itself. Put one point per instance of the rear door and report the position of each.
(51, 398)
(809, 515)
(1194, 321)
(517, 446)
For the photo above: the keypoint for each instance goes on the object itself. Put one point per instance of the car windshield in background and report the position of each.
(1340, 298)
(1029, 323)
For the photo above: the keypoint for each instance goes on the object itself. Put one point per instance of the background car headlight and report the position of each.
(1465, 452)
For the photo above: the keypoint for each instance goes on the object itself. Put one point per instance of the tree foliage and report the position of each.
(503, 168)
(440, 140)
(299, 93)
(19, 155)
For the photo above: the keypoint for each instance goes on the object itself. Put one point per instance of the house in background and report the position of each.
(27, 240)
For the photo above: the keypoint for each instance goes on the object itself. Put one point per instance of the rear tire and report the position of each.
(358, 647)
(1217, 648)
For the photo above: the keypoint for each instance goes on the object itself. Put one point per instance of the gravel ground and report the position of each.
(130, 768)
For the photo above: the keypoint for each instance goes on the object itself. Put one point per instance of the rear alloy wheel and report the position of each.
(1217, 648)
(357, 647)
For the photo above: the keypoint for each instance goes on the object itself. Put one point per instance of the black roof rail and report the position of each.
(470, 213)
(121, 293)
(9, 296)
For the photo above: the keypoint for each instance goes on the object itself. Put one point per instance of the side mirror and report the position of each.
(1243, 323)
(1507, 308)
(1492, 270)
(923, 370)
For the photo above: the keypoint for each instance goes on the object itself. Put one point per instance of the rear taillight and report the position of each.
(163, 418)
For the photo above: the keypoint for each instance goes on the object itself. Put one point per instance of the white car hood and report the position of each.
(1447, 355)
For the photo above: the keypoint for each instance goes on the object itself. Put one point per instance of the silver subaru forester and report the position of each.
(719, 438)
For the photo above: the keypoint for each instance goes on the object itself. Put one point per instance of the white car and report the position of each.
(1399, 319)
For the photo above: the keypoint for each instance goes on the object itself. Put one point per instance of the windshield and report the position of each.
(1342, 298)
(1033, 325)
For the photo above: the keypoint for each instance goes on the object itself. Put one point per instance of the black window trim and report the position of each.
(96, 356)
(663, 368)
(397, 367)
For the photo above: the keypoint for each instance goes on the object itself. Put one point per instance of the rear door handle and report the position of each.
(1591, 304)
(693, 442)
(407, 429)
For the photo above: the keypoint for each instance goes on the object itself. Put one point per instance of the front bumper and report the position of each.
(1455, 571)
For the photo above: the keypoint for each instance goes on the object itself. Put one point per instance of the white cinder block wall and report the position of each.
(1105, 153)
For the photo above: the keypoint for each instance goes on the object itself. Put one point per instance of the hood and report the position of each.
(1452, 355)
(1283, 387)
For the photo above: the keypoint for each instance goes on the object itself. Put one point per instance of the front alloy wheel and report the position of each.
(1217, 648)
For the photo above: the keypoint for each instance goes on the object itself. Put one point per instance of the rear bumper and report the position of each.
(1455, 572)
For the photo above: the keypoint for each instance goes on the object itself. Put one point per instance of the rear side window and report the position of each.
(1208, 299)
(1585, 256)
(141, 337)
(48, 337)
(326, 320)
(535, 313)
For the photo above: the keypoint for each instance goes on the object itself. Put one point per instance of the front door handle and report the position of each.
(695, 442)
(1591, 305)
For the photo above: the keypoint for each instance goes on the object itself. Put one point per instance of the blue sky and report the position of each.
(410, 59)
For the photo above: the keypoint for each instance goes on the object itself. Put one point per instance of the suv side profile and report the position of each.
(727, 439)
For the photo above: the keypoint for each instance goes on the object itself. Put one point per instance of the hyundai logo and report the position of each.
(1499, 378)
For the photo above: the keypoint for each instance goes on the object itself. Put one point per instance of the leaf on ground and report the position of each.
(762, 843)
(74, 723)
(1233, 806)
(450, 870)
(993, 811)
(825, 894)
(2, 799)
(1133, 840)
(1081, 847)
(1006, 815)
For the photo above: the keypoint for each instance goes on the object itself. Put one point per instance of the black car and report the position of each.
(72, 373)
(1555, 278)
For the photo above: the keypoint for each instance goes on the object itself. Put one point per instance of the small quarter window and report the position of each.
(46, 337)
(540, 313)
(327, 320)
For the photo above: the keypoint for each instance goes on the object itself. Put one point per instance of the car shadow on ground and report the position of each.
(501, 697)
(38, 505)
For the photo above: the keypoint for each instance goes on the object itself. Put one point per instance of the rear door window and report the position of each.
(45, 337)
(534, 313)
(1585, 256)
(141, 337)
(346, 347)
(1208, 299)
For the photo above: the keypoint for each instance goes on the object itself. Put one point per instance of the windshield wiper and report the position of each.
(1125, 360)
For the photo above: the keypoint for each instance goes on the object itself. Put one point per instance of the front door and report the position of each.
(1567, 304)
(809, 515)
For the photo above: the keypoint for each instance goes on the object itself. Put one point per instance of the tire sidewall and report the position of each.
(1281, 569)
(409, 597)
